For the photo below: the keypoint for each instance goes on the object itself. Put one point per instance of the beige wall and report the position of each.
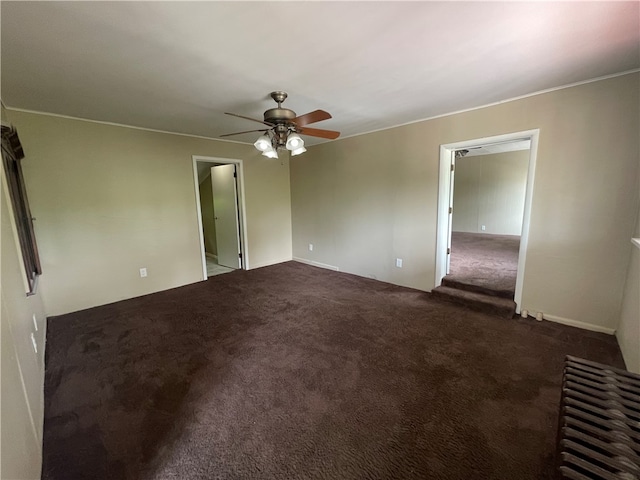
(21, 394)
(109, 200)
(208, 215)
(489, 190)
(364, 201)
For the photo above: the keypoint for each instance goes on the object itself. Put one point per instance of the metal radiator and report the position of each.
(599, 425)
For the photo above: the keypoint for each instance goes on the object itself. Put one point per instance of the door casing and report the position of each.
(245, 265)
(445, 191)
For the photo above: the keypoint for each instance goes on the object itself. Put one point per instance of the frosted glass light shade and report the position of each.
(298, 151)
(263, 143)
(270, 152)
(294, 142)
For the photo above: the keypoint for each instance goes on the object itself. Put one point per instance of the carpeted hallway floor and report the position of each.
(292, 371)
(485, 260)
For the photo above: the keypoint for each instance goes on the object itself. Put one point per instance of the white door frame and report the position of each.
(444, 197)
(241, 207)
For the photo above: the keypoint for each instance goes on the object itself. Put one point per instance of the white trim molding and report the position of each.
(316, 264)
(579, 324)
(123, 125)
(500, 102)
(268, 264)
(433, 117)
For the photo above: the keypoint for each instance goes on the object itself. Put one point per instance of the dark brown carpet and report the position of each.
(487, 261)
(294, 372)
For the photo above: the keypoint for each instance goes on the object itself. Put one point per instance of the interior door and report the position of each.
(225, 205)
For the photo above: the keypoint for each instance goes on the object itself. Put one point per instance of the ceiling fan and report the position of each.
(285, 128)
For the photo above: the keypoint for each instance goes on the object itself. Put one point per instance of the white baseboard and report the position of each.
(266, 264)
(316, 264)
(211, 255)
(579, 324)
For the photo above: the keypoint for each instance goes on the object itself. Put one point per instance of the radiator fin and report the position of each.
(599, 424)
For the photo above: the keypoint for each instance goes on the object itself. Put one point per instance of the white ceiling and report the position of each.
(177, 66)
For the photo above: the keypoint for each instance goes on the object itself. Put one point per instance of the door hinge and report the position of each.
(452, 167)
(448, 251)
(450, 209)
(235, 175)
(240, 255)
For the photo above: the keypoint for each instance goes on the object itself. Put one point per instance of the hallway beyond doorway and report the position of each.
(213, 268)
(486, 261)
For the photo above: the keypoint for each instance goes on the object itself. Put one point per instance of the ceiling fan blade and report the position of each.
(311, 117)
(240, 133)
(249, 118)
(316, 132)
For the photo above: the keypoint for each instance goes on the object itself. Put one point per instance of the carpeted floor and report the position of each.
(295, 372)
(485, 260)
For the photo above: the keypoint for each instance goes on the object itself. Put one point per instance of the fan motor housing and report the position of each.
(279, 115)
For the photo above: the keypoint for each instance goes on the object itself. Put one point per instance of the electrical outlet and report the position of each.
(399, 262)
(143, 272)
(483, 228)
(33, 341)
(35, 322)
(311, 247)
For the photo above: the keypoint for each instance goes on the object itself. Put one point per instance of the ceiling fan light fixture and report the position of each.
(298, 151)
(283, 128)
(294, 142)
(263, 143)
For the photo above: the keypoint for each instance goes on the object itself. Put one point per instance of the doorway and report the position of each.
(221, 214)
(482, 232)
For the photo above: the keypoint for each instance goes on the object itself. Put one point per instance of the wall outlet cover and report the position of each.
(399, 262)
(143, 272)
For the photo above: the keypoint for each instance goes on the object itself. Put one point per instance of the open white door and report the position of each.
(225, 201)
